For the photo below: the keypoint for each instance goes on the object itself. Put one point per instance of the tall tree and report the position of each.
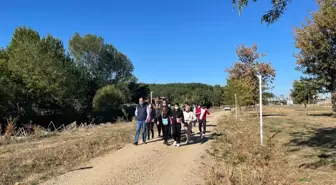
(317, 43)
(249, 66)
(102, 62)
(38, 64)
(278, 8)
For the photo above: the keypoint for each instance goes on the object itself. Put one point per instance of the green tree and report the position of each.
(304, 91)
(317, 42)
(244, 90)
(193, 93)
(102, 62)
(107, 103)
(278, 8)
(99, 63)
(38, 66)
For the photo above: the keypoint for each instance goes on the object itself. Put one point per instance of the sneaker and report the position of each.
(135, 143)
(174, 143)
(178, 145)
(145, 142)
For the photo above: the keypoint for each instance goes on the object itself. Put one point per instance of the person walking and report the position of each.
(150, 121)
(170, 130)
(158, 109)
(202, 120)
(166, 121)
(141, 115)
(189, 118)
(198, 113)
(177, 121)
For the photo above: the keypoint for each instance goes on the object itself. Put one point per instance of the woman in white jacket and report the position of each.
(189, 118)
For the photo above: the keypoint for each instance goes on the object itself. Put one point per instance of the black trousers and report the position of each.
(177, 132)
(150, 128)
(170, 131)
(165, 132)
(202, 124)
(159, 128)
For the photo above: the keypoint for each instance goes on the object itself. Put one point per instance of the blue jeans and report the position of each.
(139, 125)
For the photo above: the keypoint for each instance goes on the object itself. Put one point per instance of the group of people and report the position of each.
(169, 121)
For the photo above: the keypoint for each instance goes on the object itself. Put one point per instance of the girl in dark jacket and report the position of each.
(177, 121)
(150, 122)
(165, 120)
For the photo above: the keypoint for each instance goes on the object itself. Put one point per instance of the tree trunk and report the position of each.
(333, 102)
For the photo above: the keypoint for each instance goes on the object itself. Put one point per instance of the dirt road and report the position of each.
(152, 163)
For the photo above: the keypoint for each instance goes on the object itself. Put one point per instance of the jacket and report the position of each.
(189, 116)
(177, 114)
(204, 113)
(198, 112)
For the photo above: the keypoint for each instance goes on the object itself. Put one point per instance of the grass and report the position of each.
(298, 148)
(35, 160)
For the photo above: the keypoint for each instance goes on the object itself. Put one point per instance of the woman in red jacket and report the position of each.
(202, 120)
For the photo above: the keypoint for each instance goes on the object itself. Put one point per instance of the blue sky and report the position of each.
(169, 40)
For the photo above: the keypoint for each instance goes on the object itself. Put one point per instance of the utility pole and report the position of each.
(236, 106)
(260, 106)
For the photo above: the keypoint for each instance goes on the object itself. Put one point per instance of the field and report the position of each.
(29, 161)
(298, 148)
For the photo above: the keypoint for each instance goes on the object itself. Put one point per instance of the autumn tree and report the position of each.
(249, 67)
(278, 8)
(317, 43)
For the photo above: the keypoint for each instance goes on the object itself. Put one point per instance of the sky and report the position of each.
(170, 40)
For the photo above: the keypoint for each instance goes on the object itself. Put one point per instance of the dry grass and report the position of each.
(35, 160)
(298, 149)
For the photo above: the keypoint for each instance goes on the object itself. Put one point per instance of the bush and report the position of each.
(107, 102)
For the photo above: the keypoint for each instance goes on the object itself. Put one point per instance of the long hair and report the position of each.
(165, 109)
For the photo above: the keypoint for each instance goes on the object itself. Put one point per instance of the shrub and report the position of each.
(107, 102)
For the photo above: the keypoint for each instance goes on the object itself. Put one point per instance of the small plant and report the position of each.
(10, 129)
(36, 130)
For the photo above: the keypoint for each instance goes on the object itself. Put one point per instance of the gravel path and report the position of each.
(152, 163)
